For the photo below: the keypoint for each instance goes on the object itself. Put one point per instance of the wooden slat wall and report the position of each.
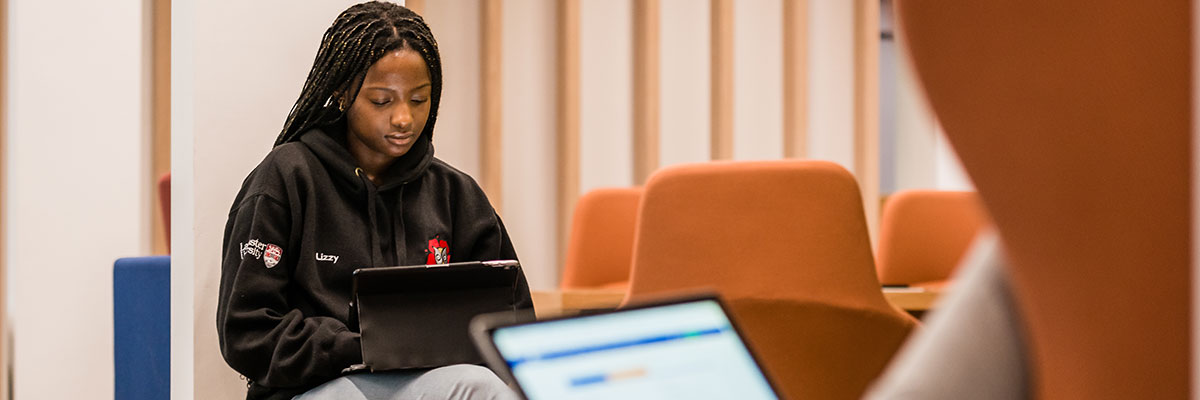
(866, 108)
(795, 78)
(647, 97)
(646, 44)
(568, 118)
(490, 109)
(160, 117)
(722, 79)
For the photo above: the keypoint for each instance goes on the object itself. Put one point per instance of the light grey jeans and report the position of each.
(458, 382)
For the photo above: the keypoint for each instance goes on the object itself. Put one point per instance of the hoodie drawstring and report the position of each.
(371, 194)
(398, 228)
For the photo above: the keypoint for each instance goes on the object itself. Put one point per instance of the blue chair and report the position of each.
(142, 327)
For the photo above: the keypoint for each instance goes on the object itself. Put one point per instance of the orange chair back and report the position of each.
(1073, 119)
(600, 248)
(773, 229)
(789, 238)
(924, 233)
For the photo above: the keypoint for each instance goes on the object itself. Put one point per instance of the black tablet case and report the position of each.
(419, 316)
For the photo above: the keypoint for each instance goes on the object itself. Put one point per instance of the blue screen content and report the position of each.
(679, 351)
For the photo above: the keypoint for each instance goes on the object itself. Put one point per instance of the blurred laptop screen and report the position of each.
(677, 351)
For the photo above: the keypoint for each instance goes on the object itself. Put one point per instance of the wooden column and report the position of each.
(795, 78)
(491, 98)
(645, 89)
(417, 6)
(567, 146)
(866, 108)
(160, 118)
(722, 80)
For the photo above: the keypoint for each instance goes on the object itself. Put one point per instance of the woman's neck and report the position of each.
(372, 163)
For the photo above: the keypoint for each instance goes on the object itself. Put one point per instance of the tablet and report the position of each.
(418, 316)
(680, 349)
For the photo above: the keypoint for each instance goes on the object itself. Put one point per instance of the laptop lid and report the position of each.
(682, 349)
(418, 316)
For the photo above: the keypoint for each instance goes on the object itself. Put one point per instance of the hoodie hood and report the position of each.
(378, 200)
(329, 144)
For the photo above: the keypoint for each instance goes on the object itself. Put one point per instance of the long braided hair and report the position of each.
(358, 38)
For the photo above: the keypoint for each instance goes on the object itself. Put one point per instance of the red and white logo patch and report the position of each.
(271, 255)
(439, 251)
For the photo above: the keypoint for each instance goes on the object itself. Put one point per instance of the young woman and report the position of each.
(351, 182)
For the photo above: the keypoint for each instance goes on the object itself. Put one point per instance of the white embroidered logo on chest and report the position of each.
(327, 257)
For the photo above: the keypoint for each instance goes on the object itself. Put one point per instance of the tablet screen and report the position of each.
(685, 350)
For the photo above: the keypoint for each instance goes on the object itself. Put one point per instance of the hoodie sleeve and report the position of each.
(261, 335)
(491, 242)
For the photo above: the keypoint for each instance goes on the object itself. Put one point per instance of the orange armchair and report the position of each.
(786, 243)
(600, 248)
(923, 234)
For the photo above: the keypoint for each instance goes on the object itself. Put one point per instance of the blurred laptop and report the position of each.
(681, 349)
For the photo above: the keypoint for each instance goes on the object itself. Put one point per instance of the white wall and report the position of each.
(455, 25)
(685, 82)
(831, 81)
(529, 136)
(757, 80)
(238, 68)
(77, 189)
(605, 94)
(183, 199)
(949, 170)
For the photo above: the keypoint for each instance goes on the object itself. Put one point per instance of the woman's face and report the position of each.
(390, 110)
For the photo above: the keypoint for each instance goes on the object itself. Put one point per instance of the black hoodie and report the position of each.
(303, 221)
